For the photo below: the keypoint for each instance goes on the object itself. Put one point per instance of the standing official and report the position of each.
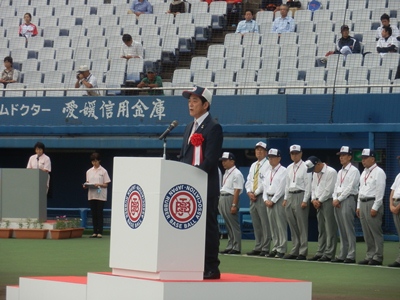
(274, 191)
(232, 187)
(395, 210)
(344, 202)
(370, 207)
(258, 212)
(323, 184)
(297, 195)
(201, 147)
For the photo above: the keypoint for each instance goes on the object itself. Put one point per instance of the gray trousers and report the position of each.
(345, 220)
(278, 225)
(372, 229)
(327, 230)
(298, 223)
(396, 219)
(231, 222)
(259, 218)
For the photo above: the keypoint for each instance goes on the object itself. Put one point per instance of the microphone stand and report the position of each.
(165, 148)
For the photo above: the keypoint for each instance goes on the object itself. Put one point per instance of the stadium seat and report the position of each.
(271, 50)
(378, 88)
(99, 67)
(338, 90)
(165, 19)
(15, 85)
(52, 77)
(336, 75)
(315, 74)
(234, 63)
(55, 93)
(288, 38)
(199, 7)
(19, 55)
(252, 63)
(234, 51)
(251, 39)
(360, 14)
(48, 21)
(32, 77)
(202, 76)
(46, 53)
(97, 42)
(288, 62)
(134, 69)
(105, 9)
(181, 76)
(64, 53)
(160, 8)
(16, 43)
(99, 53)
(35, 43)
(245, 76)
(317, 89)
(114, 80)
(148, 30)
(287, 74)
(216, 51)
(65, 65)
(80, 11)
(266, 91)
(326, 37)
(357, 89)
(29, 65)
(252, 51)
(295, 87)
(81, 53)
(113, 30)
(225, 91)
(306, 38)
(153, 54)
(198, 63)
(264, 17)
(224, 75)
(303, 16)
(47, 65)
(289, 50)
(183, 19)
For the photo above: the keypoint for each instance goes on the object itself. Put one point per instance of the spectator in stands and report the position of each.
(139, 7)
(395, 210)
(322, 187)
(248, 24)
(151, 81)
(270, 5)
(97, 180)
(176, 7)
(387, 43)
(9, 74)
(85, 79)
(345, 45)
(385, 20)
(130, 48)
(40, 161)
(284, 23)
(27, 29)
(228, 206)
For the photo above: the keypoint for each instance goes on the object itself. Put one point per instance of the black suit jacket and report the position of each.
(212, 151)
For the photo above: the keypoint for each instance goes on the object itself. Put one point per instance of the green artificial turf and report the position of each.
(80, 256)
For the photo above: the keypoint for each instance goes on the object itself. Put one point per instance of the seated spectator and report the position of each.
(284, 23)
(248, 24)
(387, 43)
(9, 74)
(130, 48)
(27, 29)
(270, 5)
(139, 7)
(85, 79)
(151, 81)
(346, 44)
(385, 20)
(176, 7)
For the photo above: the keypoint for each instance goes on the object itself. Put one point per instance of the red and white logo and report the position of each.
(134, 206)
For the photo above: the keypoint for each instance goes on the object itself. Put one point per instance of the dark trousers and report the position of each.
(211, 262)
(96, 207)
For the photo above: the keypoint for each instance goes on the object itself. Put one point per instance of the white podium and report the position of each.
(158, 219)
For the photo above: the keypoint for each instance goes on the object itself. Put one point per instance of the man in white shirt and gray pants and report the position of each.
(344, 201)
(258, 211)
(370, 207)
(323, 184)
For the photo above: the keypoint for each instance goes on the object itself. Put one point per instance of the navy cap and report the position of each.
(199, 91)
(227, 155)
(311, 162)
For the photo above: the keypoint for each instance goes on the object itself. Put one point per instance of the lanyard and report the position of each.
(319, 177)
(272, 176)
(343, 177)
(223, 183)
(294, 172)
(366, 176)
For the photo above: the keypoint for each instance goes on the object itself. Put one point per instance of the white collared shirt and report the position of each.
(323, 184)
(396, 187)
(263, 167)
(372, 185)
(298, 179)
(274, 183)
(232, 180)
(347, 182)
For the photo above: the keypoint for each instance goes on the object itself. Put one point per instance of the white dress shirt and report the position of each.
(274, 183)
(263, 167)
(232, 180)
(298, 179)
(372, 185)
(396, 187)
(135, 49)
(347, 182)
(323, 184)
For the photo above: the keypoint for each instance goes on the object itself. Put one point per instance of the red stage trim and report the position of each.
(70, 279)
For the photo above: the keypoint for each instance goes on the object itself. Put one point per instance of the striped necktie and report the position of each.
(255, 182)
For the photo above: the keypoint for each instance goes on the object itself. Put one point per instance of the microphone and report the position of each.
(37, 157)
(169, 129)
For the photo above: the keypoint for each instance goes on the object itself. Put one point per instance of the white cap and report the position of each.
(262, 145)
(295, 148)
(274, 152)
(368, 152)
(83, 68)
(199, 91)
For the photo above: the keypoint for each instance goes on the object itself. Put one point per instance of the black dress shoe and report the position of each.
(254, 253)
(337, 260)
(234, 252)
(264, 253)
(212, 275)
(272, 254)
(290, 256)
(301, 257)
(314, 258)
(279, 255)
(94, 236)
(349, 261)
(363, 262)
(374, 262)
(394, 265)
(226, 251)
(324, 259)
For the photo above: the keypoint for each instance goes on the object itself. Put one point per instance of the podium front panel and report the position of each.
(158, 218)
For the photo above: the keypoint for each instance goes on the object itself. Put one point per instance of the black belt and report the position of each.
(367, 199)
(226, 194)
(270, 195)
(296, 192)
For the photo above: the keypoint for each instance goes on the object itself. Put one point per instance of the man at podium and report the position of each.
(40, 161)
(201, 147)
